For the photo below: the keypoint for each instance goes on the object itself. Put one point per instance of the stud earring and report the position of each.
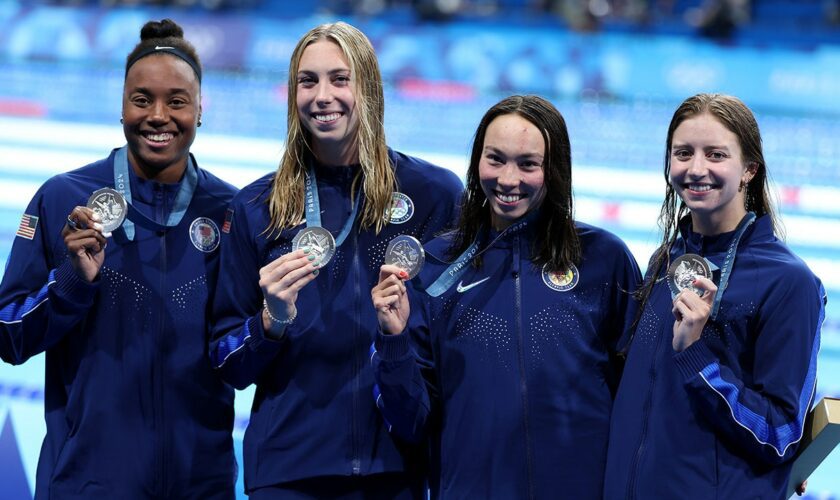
(199, 122)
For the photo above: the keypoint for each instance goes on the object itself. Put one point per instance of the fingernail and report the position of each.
(311, 257)
(315, 272)
(403, 274)
(306, 250)
(98, 226)
(96, 217)
(106, 235)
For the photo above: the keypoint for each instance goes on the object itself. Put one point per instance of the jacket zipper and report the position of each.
(355, 433)
(157, 351)
(522, 378)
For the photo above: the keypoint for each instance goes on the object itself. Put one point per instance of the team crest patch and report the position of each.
(402, 208)
(27, 227)
(561, 282)
(204, 234)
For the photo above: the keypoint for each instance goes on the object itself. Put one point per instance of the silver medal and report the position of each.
(110, 206)
(320, 242)
(406, 252)
(684, 270)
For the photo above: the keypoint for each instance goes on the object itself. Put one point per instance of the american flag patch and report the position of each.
(228, 220)
(28, 224)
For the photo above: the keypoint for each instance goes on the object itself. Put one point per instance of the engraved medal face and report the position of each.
(406, 252)
(684, 270)
(111, 207)
(320, 242)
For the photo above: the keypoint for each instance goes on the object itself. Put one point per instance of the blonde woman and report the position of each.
(298, 323)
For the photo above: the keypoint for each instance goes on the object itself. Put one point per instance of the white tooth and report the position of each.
(327, 118)
(160, 137)
(509, 198)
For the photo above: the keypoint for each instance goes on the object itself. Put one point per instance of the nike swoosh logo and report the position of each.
(461, 288)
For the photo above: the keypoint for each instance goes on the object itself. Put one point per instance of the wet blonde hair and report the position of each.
(286, 201)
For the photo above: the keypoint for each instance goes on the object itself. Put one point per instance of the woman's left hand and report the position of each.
(691, 312)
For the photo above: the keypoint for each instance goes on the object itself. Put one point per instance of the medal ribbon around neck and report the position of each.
(454, 272)
(182, 200)
(729, 261)
(313, 207)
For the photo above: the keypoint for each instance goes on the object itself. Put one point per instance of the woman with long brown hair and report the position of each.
(721, 370)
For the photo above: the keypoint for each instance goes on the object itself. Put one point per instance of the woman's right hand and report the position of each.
(281, 280)
(85, 242)
(390, 299)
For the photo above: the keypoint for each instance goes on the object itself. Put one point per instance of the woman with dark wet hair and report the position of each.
(503, 361)
(721, 370)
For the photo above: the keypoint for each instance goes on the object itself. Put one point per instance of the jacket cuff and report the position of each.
(258, 334)
(693, 359)
(392, 347)
(70, 287)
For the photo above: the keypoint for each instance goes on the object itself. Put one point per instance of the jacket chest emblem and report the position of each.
(402, 208)
(204, 234)
(562, 281)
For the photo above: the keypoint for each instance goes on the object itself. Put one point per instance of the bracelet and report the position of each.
(278, 321)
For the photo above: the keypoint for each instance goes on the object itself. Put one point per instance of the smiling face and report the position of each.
(707, 171)
(326, 102)
(511, 169)
(161, 108)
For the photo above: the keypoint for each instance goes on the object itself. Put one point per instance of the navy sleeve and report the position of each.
(404, 373)
(239, 350)
(39, 304)
(764, 417)
(627, 278)
(448, 203)
(623, 311)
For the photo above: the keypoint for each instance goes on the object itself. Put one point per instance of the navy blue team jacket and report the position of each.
(723, 418)
(313, 414)
(133, 408)
(509, 373)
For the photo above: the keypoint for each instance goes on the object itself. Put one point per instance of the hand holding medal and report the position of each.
(87, 228)
(689, 278)
(282, 278)
(404, 258)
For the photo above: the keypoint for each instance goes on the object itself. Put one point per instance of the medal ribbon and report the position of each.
(313, 207)
(729, 260)
(182, 199)
(459, 266)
